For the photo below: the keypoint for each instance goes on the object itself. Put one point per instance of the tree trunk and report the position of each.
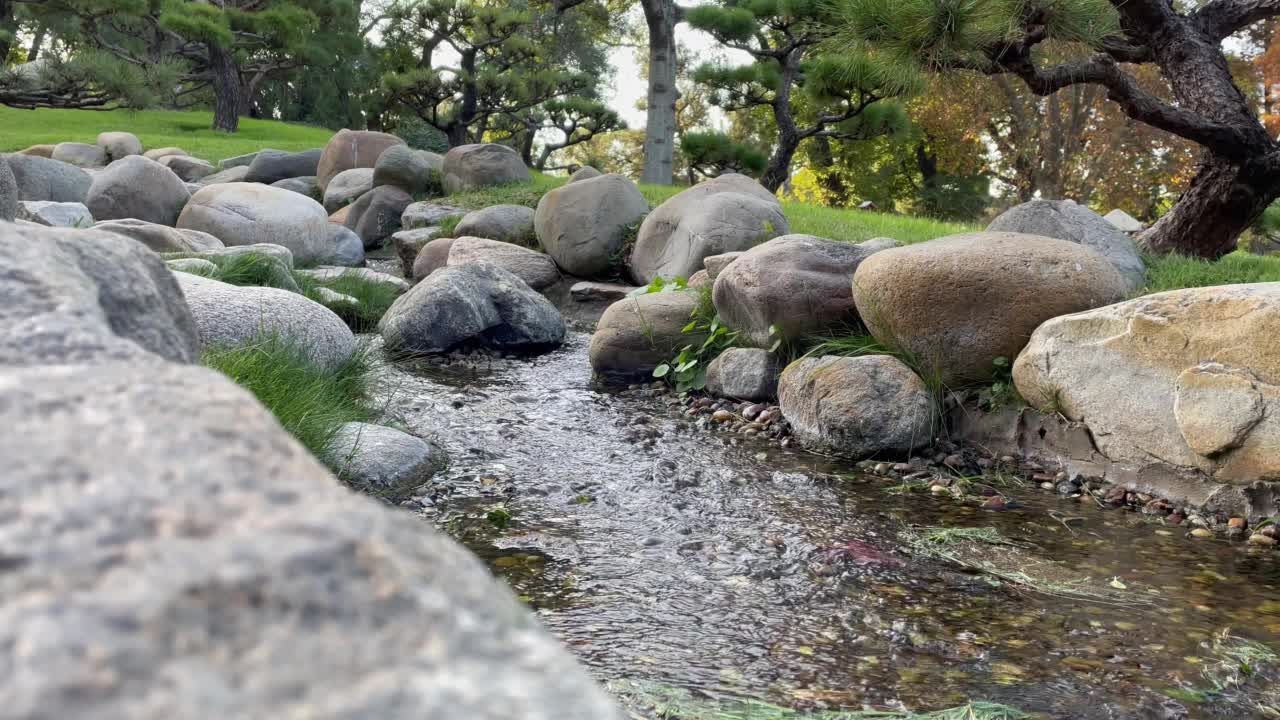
(8, 30)
(227, 96)
(526, 149)
(459, 132)
(1221, 202)
(778, 170)
(37, 43)
(660, 128)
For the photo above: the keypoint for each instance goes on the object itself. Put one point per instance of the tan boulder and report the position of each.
(349, 149)
(957, 303)
(636, 334)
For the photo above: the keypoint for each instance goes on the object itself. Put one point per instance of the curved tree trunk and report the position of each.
(1222, 201)
(227, 96)
(660, 128)
(778, 170)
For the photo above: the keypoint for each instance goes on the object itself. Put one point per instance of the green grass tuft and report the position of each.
(374, 299)
(1173, 272)
(527, 194)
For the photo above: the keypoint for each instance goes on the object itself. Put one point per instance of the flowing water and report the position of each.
(660, 550)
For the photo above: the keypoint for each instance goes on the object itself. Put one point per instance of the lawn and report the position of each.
(156, 128)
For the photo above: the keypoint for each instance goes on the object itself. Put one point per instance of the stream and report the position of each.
(660, 550)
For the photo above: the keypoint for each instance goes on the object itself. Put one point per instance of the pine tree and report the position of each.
(712, 153)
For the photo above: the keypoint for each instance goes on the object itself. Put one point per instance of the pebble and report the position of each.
(994, 503)
(939, 489)
(1264, 540)
(1201, 533)
(1237, 523)
(721, 416)
(881, 468)
(1046, 485)
(751, 412)
(953, 461)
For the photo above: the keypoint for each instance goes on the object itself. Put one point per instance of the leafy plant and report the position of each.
(499, 517)
(1002, 392)
(661, 285)
(688, 370)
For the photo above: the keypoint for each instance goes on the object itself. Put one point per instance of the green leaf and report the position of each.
(661, 370)
(690, 327)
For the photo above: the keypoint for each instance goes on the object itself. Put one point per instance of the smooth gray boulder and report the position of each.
(157, 153)
(238, 161)
(586, 172)
(433, 256)
(383, 461)
(198, 266)
(161, 238)
(507, 223)
(230, 175)
(868, 406)
(272, 166)
(408, 243)
(715, 264)
(584, 225)
(302, 185)
(137, 188)
(468, 167)
(352, 149)
(119, 144)
(41, 178)
(279, 253)
(344, 247)
(80, 154)
(1123, 221)
(233, 316)
(636, 334)
(79, 296)
(536, 269)
(744, 374)
(54, 214)
(329, 274)
(376, 215)
(8, 192)
(591, 291)
(790, 287)
(251, 213)
(428, 213)
(1066, 220)
(405, 168)
(346, 187)
(475, 303)
(187, 168)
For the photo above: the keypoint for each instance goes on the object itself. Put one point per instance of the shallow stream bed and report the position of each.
(659, 550)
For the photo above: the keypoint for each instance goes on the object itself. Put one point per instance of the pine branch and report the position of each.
(1222, 18)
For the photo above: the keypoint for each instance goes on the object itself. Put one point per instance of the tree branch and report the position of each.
(1223, 18)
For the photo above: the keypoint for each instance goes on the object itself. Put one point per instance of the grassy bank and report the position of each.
(190, 131)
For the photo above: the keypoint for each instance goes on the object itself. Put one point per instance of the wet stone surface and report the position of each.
(660, 546)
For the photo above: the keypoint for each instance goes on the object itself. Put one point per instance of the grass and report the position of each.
(1172, 272)
(527, 194)
(190, 131)
(312, 403)
(663, 702)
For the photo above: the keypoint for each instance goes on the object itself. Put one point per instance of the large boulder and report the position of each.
(639, 333)
(301, 185)
(507, 223)
(405, 168)
(137, 188)
(187, 168)
(119, 144)
(866, 406)
(584, 225)
(230, 175)
(80, 296)
(726, 214)
(1189, 378)
(475, 303)
(44, 151)
(433, 256)
(162, 238)
(790, 287)
(330, 273)
(586, 172)
(244, 160)
(1123, 221)
(376, 215)
(80, 154)
(344, 247)
(232, 316)
(352, 149)
(271, 166)
(428, 213)
(277, 253)
(1065, 220)
(250, 213)
(958, 303)
(408, 243)
(383, 461)
(346, 187)
(8, 192)
(157, 153)
(41, 178)
(744, 373)
(536, 269)
(52, 214)
(467, 167)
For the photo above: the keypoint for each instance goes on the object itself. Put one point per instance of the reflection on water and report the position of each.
(661, 551)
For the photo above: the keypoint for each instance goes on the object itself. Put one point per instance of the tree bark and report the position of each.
(37, 43)
(660, 128)
(1222, 201)
(778, 170)
(227, 96)
(459, 132)
(8, 29)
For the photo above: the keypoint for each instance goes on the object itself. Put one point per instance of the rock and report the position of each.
(1262, 540)
(272, 166)
(584, 225)
(473, 303)
(77, 296)
(537, 270)
(639, 333)
(467, 167)
(8, 192)
(345, 247)
(52, 214)
(157, 153)
(426, 214)
(507, 223)
(238, 161)
(333, 299)
(161, 238)
(408, 243)
(232, 316)
(279, 253)
(80, 154)
(588, 291)
(433, 256)
(872, 405)
(346, 187)
(187, 168)
(744, 374)
(1201, 533)
(383, 461)
(1123, 221)
(1188, 378)
(301, 185)
(376, 215)
(44, 151)
(797, 285)
(329, 274)
(586, 172)
(43, 179)
(250, 213)
(405, 168)
(699, 279)
(352, 149)
(729, 213)
(230, 175)
(197, 266)
(340, 217)
(715, 264)
(138, 188)
(1066, 220)
(119, 144)
(959, 302)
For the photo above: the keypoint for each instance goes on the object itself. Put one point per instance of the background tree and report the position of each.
(781, 36)
(710, 154)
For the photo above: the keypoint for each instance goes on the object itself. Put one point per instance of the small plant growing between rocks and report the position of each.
(1002, 393)
(688, 369)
